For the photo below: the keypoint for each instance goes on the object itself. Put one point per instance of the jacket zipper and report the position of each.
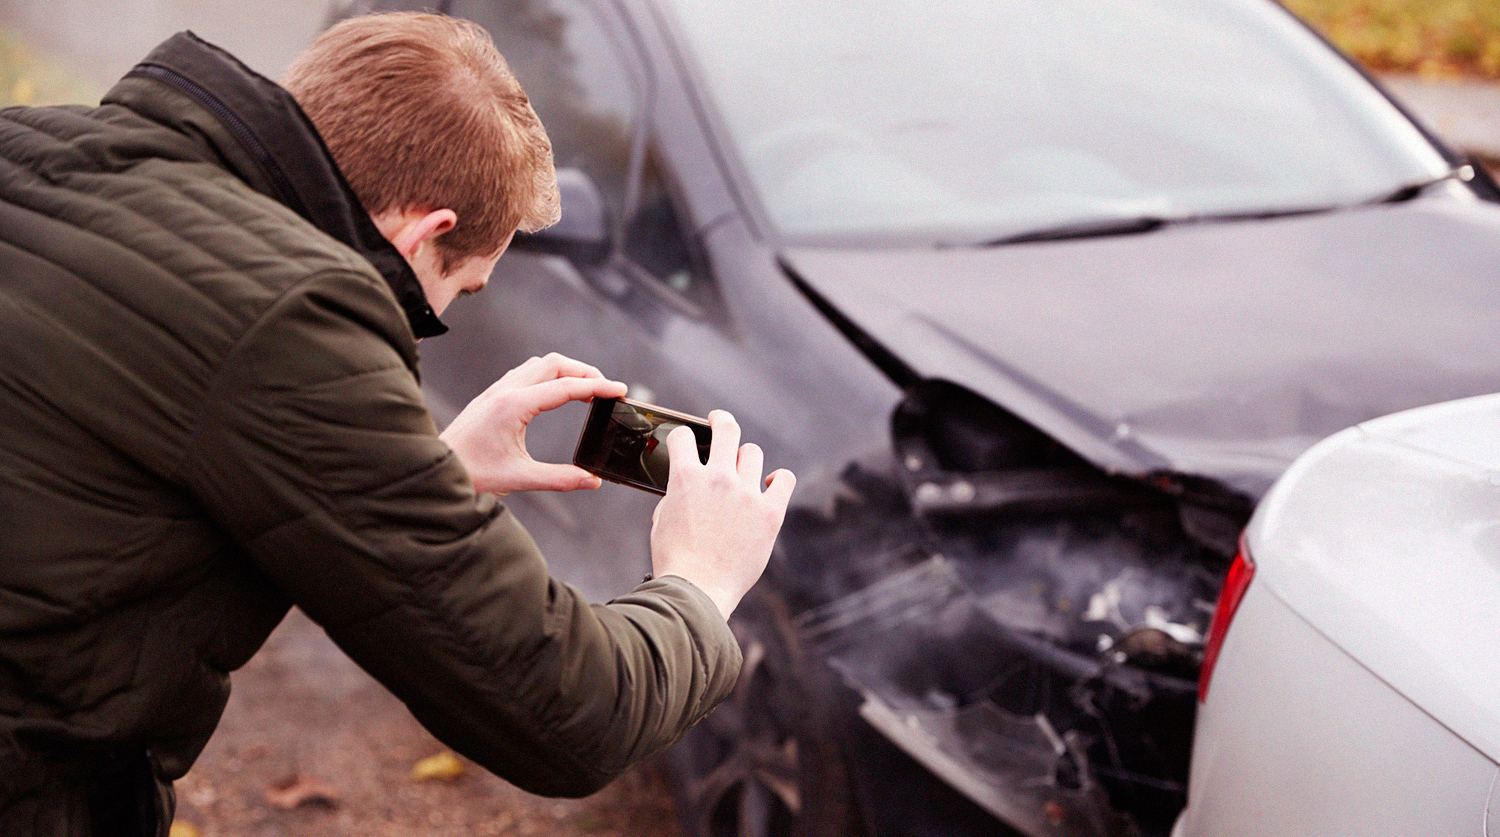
(237, 126)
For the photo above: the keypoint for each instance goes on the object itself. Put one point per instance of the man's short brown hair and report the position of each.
(421, 112)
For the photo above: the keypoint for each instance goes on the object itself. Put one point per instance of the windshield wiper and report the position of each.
(1133, 225)
(1401, 194)
(1086, 229)
(1136, 224)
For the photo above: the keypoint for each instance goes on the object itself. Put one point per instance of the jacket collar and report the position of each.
(267, 140)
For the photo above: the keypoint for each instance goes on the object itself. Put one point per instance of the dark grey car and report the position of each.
(1036, 297)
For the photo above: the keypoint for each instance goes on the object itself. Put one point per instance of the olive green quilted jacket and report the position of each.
(209, 412)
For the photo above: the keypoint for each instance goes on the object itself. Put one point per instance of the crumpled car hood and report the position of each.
(1221, 349)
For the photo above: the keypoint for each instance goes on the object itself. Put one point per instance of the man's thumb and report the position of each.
(546, 476)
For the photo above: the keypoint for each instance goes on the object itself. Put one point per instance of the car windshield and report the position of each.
(976, 121)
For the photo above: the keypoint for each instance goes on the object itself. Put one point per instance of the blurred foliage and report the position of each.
(27, 78)
(1433, 38)
(444, 766)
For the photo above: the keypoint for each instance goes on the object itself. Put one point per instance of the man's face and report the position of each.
(414, 234)
(467, 277)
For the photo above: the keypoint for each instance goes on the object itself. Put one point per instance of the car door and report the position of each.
(587, 81)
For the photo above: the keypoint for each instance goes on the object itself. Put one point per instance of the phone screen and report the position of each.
(625, 441)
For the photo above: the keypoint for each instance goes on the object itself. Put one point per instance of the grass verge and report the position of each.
(1433, 38)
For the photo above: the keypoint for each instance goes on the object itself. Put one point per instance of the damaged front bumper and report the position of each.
(1010, 618)
(1023, 625)
(973, 701)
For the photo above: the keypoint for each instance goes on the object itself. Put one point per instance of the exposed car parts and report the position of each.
(1023, 625)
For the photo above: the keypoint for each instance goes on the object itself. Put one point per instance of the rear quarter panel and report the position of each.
(1298, 738)
(1389, 545)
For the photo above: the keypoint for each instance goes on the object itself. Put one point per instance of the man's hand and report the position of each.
(489, 436)
(715, 527)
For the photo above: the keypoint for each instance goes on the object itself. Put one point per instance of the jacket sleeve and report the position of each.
(316, 453)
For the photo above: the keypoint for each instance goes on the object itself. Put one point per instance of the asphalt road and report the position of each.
(1464, 113)
(311, 746)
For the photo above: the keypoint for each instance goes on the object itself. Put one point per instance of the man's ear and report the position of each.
(407, 230)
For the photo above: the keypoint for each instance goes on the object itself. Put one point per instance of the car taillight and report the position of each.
(1235, 584)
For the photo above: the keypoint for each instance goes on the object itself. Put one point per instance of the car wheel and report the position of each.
(764, 764)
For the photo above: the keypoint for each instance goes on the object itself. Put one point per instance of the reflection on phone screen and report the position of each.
(631, 445)
(636, 442)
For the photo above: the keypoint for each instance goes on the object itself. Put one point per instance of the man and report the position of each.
(209, 411)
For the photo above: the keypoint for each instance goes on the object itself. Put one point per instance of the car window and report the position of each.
(591, 102)
(658, 241)
(954, 121)
(580, 86)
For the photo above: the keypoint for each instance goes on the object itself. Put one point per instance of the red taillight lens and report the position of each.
(1235, 584)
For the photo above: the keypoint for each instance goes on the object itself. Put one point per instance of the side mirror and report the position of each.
(582, 234)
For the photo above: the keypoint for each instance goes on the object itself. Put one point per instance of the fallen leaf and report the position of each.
(443, 766)
(299, 791)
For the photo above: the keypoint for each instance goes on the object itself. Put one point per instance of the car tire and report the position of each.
(765, 762)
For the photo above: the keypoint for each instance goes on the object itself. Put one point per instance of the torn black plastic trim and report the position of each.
(1018, 491)
(959, 453)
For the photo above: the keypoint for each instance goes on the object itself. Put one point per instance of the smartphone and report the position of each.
(625, 441)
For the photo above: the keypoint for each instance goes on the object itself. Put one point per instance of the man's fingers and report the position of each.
(549, 395)
(779, 486)
(752, 461)
(540, 369)
(726, 442)
(682, 451)
(549, 476)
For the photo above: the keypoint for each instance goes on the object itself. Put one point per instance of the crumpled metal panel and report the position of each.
(1005, 717)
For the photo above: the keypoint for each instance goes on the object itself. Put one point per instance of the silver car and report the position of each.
(1350, 683)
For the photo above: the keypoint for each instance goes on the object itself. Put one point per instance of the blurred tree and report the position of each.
(29, 78)
(1434, 38)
